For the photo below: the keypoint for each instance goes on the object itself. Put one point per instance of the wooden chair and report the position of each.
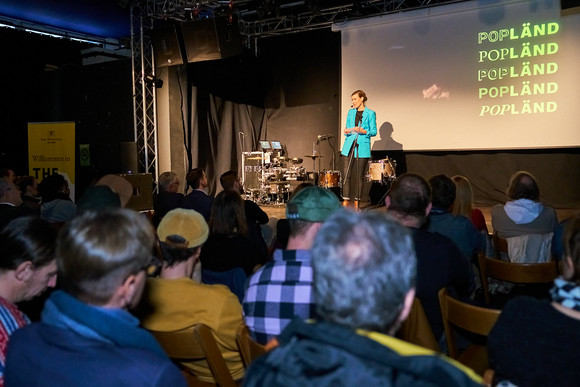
(416, 328)
(500, 245)
(193, 344)
(249, 349)
(488, 377)
(474, 319)
(520, 273)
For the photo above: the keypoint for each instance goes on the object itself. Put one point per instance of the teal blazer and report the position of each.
(369, 123)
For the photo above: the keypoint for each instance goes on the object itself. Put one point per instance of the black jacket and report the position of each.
(325, 354)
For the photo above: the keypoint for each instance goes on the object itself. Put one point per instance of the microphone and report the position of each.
(322, 137)
(243, 134)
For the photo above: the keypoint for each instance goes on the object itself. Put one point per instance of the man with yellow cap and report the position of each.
(177, 299)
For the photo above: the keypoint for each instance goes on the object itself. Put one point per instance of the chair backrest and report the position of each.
(500, 246)
(194, 344)
(526, 248)
(416, 328)
(459, 314)
(249, 349)
(522, 273)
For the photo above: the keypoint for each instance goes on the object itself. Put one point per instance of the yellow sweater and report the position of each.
(181, 303)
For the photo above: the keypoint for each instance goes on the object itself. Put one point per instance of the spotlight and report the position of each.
(152, 80)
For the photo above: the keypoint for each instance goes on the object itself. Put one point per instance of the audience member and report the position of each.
(98, 198)
(282, 226)
(10, 203)
(228, 245)
(463, 204)
(177, 300)
(364, 278)
(527, 224)
(87, 335)
(534, 341)
(28, 186)
(8, 174)
(440, 264)
(282, 288)
(57, 206)
(168, 197)
(198, 199)
(255, 216)
(118, 185)
(27, 268)
(457, 228)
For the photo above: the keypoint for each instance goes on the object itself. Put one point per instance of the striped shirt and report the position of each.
(11, 319)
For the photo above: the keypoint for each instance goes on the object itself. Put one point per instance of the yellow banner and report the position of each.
(51, 149)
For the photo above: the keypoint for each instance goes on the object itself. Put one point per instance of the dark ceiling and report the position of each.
(257, 18)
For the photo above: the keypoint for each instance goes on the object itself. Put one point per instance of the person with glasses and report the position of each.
(177, 299)
(87, 335)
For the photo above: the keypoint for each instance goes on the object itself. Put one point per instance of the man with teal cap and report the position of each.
(282, 288)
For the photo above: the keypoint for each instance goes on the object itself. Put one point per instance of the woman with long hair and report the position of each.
(463, 204)
(228, 245)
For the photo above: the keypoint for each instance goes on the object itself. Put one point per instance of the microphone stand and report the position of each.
(356, 197)
(350, 158)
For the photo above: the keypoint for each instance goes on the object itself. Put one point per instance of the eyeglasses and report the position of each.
(153, 267)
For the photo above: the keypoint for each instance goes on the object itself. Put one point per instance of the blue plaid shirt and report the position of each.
(277, 292)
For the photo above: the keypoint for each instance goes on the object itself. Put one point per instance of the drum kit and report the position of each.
(275, 176)
(270, 178)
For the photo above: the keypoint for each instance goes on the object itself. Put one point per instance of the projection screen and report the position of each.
(467, 76)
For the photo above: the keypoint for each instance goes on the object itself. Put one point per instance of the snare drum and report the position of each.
(381, 171)
(329, 179)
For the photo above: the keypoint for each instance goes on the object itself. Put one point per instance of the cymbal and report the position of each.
(296, 160)
(313, 156)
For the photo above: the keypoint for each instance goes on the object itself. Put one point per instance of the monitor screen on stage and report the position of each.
(487, 74)
(265, 145)
(276, 145)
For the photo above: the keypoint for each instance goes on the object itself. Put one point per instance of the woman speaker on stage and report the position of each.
(361, 125)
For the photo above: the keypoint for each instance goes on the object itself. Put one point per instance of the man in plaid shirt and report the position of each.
(282, 288)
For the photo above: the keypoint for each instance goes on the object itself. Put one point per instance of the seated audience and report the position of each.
(457, 228)
(10, 203)
(198, 199)
(534, 341)
(463, 204)
(282, 227)
(255, 216)
(524, 221)
(282, 288)
(178, 300)
(364, 279)
(439, 261)
(87, 336)
(97, 198)
(27, 269)
(228, 245)
(168, 197)
(57, 206)
(28, 186)
(8, 174)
